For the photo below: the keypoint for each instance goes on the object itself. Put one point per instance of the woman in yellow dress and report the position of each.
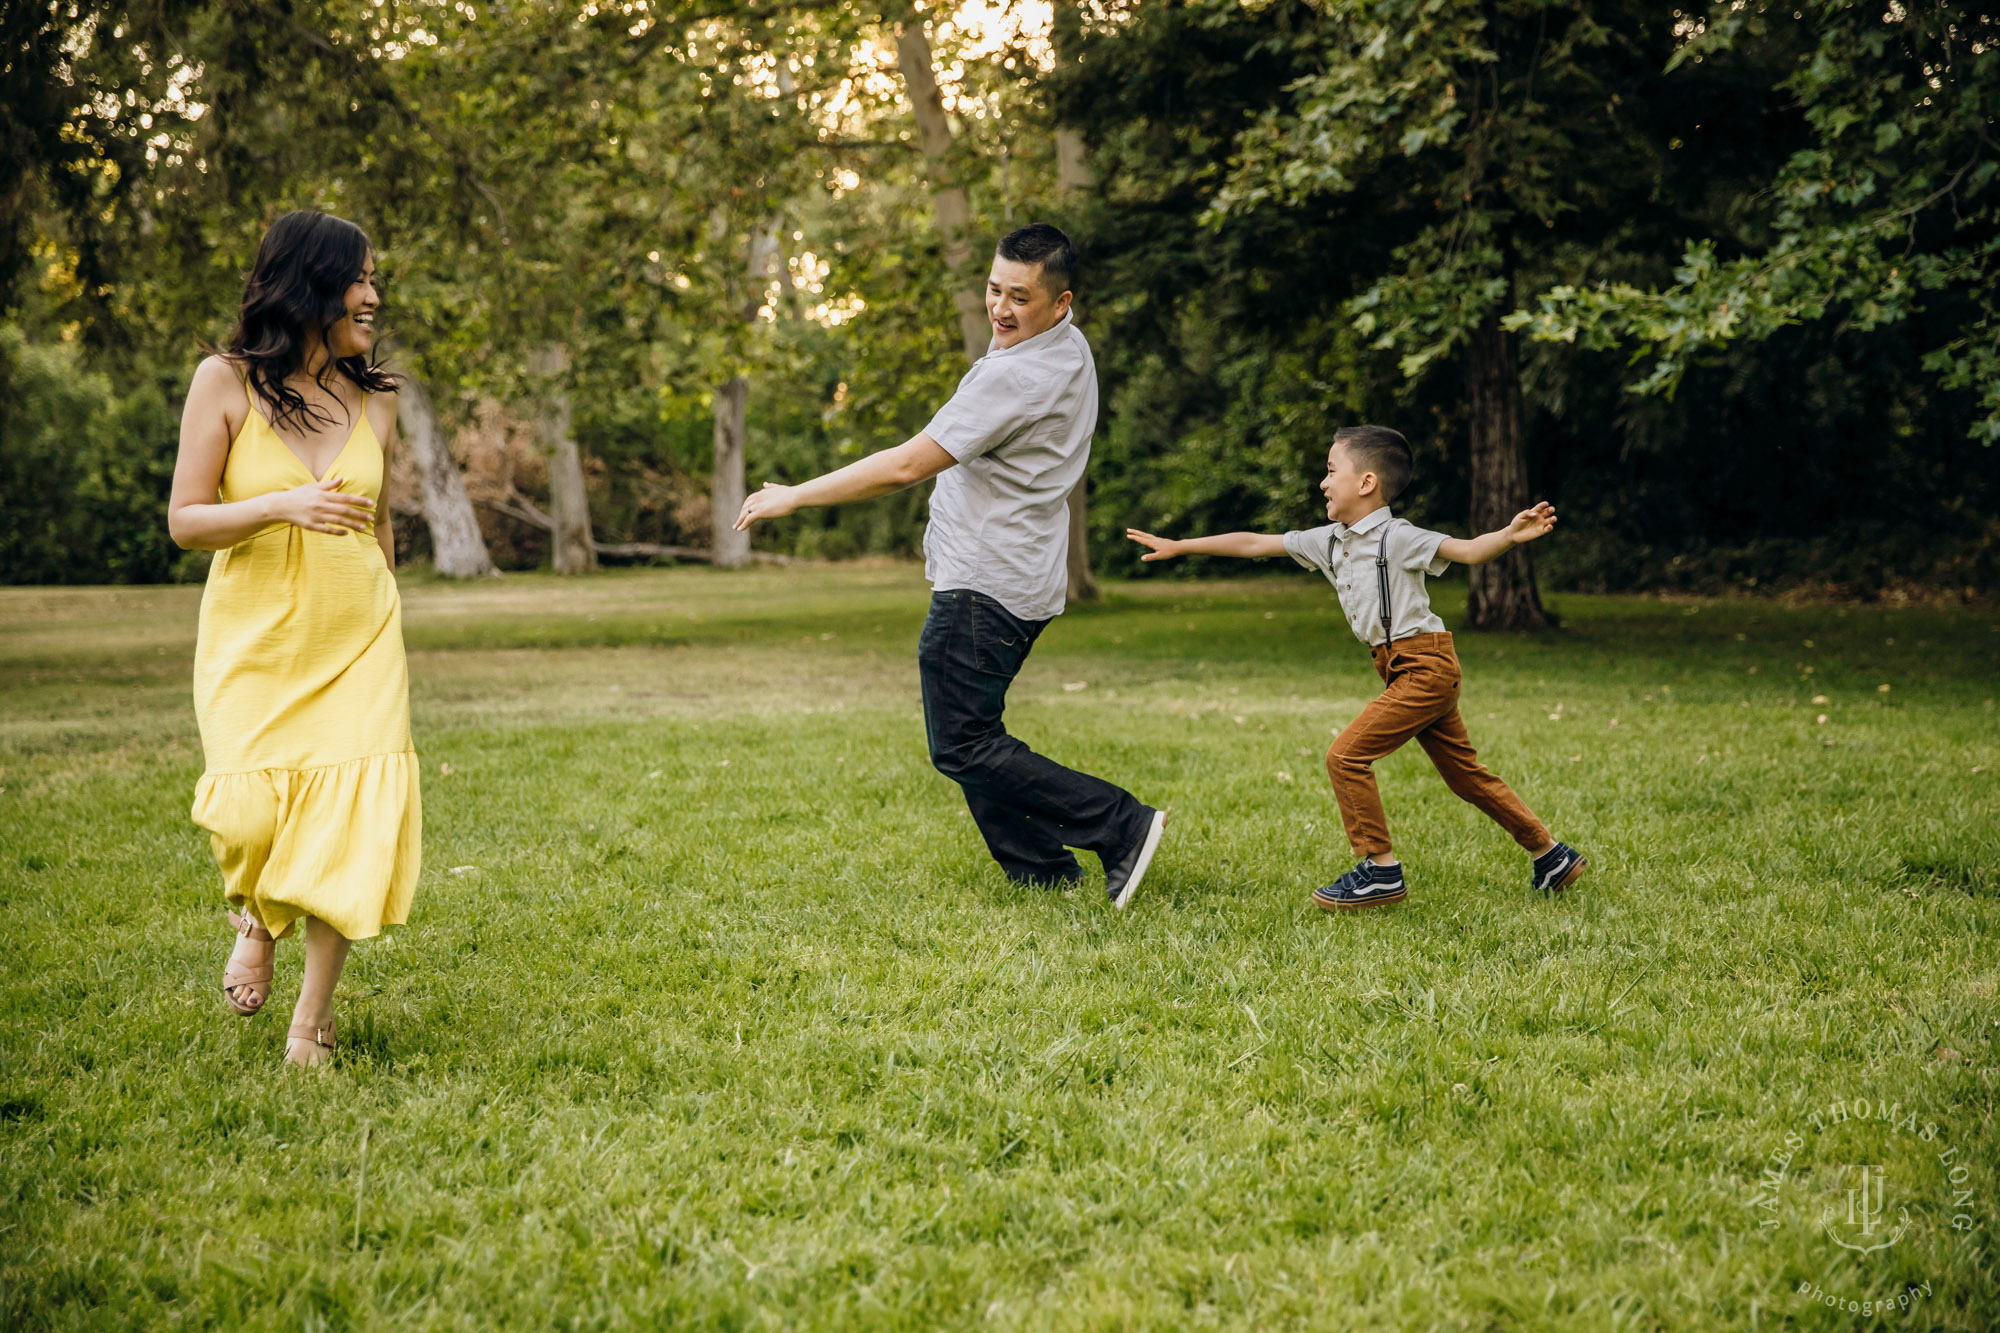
(310, 792)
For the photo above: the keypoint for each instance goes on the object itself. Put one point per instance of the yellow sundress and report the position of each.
(303, 695)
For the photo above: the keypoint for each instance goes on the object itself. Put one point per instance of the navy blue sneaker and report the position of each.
(1367, 885)
(1558, 868)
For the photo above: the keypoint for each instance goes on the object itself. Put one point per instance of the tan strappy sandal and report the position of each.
(319, 1037)
(236, 975)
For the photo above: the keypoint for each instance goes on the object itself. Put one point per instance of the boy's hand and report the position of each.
(1158, 548)
(1532, 523)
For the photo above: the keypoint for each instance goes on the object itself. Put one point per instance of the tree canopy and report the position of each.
(1717, 283)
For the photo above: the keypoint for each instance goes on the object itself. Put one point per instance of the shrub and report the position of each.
(85, 471)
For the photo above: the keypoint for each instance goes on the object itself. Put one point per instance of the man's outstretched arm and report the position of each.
(914, 460)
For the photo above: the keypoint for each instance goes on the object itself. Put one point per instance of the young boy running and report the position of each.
(1377, 564)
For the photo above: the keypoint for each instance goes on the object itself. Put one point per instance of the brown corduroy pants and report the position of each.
(1421, 700)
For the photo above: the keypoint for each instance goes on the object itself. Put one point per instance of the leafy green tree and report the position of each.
(1225, 358)
(1889, 211)
(1300, 214)
(1493, 147)
(84, 471)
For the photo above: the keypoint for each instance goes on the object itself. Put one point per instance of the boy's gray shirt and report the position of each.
(1347, 557)
(1019, 426)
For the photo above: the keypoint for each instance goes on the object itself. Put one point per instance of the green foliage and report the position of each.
(1500, 141)
(1301, 210)
(1268, 189)
(1224, 360)
(1889, 211)
(85, 467)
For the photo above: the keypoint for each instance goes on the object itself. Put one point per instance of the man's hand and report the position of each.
(1532, 523)
(1158, 548)
(774, 501)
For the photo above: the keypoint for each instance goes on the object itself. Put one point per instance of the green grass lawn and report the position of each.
(713, 1012)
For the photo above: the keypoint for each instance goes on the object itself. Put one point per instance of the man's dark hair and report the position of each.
(1379, 450)
(1039, 243)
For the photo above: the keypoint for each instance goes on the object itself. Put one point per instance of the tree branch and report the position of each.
(649, 41)
(377, 84)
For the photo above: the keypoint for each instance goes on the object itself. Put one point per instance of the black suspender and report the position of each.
(1381, 578)
(1382, 583)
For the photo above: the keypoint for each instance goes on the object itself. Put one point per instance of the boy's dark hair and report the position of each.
(1379, 450)
(1039, 243)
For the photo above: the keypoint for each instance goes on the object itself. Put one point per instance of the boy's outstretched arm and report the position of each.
(1527, 525)
(1246, 544)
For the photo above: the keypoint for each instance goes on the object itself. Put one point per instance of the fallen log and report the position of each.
(523, 510)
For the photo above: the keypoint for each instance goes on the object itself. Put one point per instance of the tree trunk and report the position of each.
(571, 550)
(1502, 595)
(727, 481)
(457, 549)
(1072, 164)
(1082, 583)
(954, 210)
(1072, 179)
(732, 404)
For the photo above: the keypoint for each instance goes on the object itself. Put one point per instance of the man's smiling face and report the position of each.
(1019, 303)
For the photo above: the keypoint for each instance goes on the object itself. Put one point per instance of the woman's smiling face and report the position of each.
(355, 333)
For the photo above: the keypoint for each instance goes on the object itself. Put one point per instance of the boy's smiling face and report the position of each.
(1350, 495)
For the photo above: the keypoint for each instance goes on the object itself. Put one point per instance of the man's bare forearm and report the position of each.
(916, 459)
(881, 473)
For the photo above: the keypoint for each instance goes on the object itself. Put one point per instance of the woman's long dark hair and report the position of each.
(304, 267)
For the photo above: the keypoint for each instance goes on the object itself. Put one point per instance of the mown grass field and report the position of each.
(713, 1013)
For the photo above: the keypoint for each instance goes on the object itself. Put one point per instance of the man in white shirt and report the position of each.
(1006, 450)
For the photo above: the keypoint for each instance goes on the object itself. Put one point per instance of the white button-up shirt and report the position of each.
(1347, 557)
(1019, 426)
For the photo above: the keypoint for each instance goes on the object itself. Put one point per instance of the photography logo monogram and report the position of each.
(1864, 1214)
(1860, 1173)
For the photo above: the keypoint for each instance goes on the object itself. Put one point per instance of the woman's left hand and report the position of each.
(774, 501)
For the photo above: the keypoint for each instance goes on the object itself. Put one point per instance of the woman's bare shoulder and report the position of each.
(216, 374)
(382, 413)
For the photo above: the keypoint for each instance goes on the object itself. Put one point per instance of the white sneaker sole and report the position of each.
(1145, 860)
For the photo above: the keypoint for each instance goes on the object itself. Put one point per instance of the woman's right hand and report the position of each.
(319, 506)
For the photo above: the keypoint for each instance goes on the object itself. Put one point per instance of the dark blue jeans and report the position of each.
(1030, 810)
